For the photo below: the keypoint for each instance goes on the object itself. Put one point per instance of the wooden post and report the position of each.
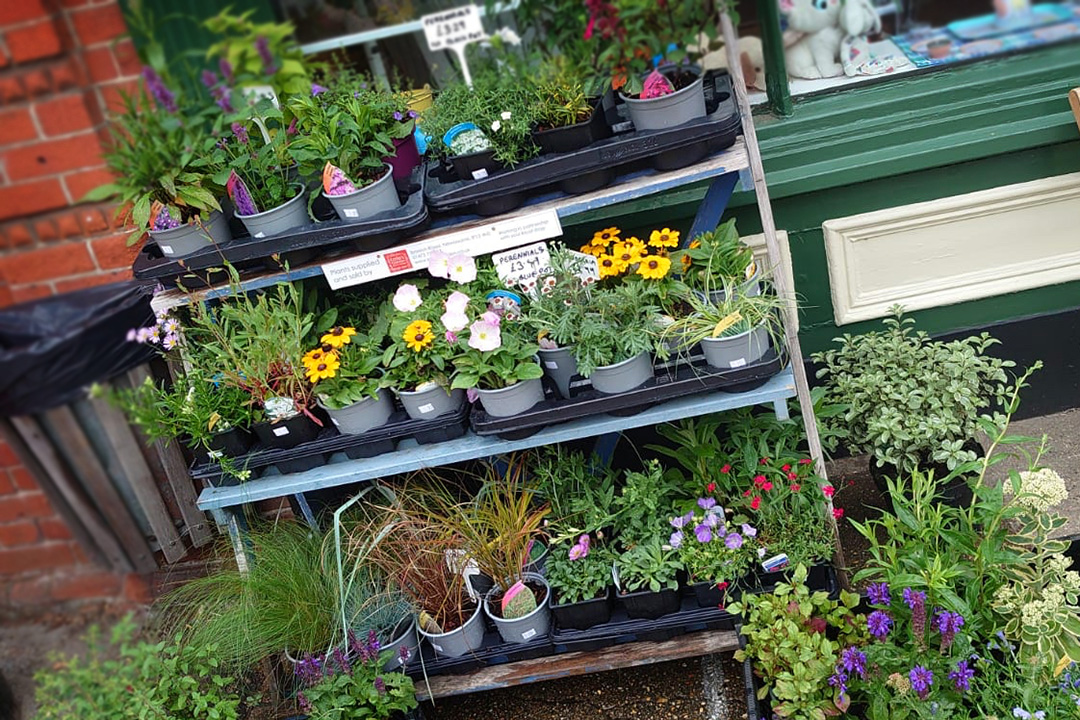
(1074, 100)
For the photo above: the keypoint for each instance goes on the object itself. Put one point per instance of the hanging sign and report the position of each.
(453, 30)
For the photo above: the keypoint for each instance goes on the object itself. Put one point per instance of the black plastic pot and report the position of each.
(708, 594)
(818, 577)
(466, 166)
(648, 605)
(288, 433)
(574, 137)
(231, 443)
(955, 493)
(585, 614)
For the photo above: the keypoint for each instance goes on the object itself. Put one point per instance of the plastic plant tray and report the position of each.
(493, 651)
(674, 379)
(375, 233)
(377, 441)
(661, 149)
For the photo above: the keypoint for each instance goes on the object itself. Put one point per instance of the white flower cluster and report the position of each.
(1041, 490)
(1040, 613)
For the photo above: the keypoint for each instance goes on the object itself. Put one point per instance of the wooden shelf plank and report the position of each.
(409, 456)
(577, 663)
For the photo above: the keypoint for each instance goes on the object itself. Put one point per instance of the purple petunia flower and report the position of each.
(879, 624)
(733, 541)
(962, 675)
(676, 539)
(706, 503)
(853, 660)
(703, 533)
(209, 78)
(156, 86)
(240, 132)
(921, 680)
(879, 594)
(226, 70)
(262, 46)
(317, 89)
(398, 116)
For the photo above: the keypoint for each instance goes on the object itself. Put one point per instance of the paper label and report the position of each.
(530, 633)
(215, 454)
(586, 266)
(426, 408)
(453, 28)
(737, 363)
(438, 648)
(551, 365)
(281, 431)
(478, 240)
(260, 234)
(351, 212)
(479, 174)
(167, 249)
(522, 266)
(725, 323)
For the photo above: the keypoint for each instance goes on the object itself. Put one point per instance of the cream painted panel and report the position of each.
(955, 249)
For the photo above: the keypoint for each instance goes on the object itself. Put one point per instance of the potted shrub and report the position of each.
(717, 553)
(356, 687)
(646, 580)
(616, 332)
(161, 183)
(579, 574)
(713, 260)
(342, 371)
(905, 402)
(565, 119)
(345, 139)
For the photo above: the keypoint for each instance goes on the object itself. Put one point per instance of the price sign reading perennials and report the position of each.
(453, 30)
(522, 266)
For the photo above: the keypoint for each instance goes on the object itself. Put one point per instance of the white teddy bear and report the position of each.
(821, 33)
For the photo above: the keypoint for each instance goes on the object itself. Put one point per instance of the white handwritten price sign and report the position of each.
(522, 266)
(453, 30)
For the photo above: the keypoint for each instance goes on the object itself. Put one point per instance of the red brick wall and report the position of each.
(61, 65)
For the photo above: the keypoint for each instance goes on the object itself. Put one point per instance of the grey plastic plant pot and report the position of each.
(407, 639)
(369, 200)
(512, 400)
(190, 238)
(624, 376)
(431, 402)
(750, 288)
(736, 351)
(559, 364)
(362, 416)
(669, 111)
(282, 218)
(457, 642)
(534, 626)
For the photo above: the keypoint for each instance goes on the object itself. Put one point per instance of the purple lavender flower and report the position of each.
(962, 675)
(240, 132)
(209, 78)
(164, 220)
(706, 503)
(262, 46)
(380, 686)
(226, 70)
(879, 594)
(676, 539)
(948, 624)
(703, 533)
(310, 670)
(223, 98)
(879, 624)
(921, 680)
(398, 116)
(317, 90)
(853, 660)
(733, 541)
(161, 94)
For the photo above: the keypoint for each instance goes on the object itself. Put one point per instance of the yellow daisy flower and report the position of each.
(695, 244)
(626, 258)
(326, 369)
(594, 250)
(605, 237)
(653, 267)
(609, 266)
(339, 336)
(664, 238)
(318, 355)
(630, 244)
(418, 335)
(686, 262)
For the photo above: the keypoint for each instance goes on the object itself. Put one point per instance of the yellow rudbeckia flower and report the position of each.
(418, 335)
(326, 369)
(653, 267)
(609, 266)
(317, 356)
(606, 236)
(339, 336)
(630, 244)
(594, 250)
(664, 238)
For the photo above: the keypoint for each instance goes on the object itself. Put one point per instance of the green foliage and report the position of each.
(614, 324)
(793, 653)
(360, 690)
(556, 313)
(649, 565)
(560, 101)
(911, 400)
(238, 45)
(737, 313)
(357, 378)
(715, 258)
(141, 680)
(585, 578)
(407, 366)
(1004, 683)
(644, 504)
(581, 493)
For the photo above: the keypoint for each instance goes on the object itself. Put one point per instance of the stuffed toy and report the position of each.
(828, 38)
(753, 61)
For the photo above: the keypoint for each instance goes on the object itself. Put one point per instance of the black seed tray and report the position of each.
(374, 442)
(676, 378)
(329, 233)
(626, 152)
(493, 651)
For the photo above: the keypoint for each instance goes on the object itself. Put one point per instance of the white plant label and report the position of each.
(528, 634)
(522, 266)
(479, 174)
(167, 249)
(336, 423)
(586, 266)
(738, 363)
(475, 241)
(453, 30)
(351, 212)
(551, 365)
(281, 431)
(426, 408)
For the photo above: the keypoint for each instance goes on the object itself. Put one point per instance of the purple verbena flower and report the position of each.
(879, 594)
(209, 78)
(853, 660)
(733, 541)
(262, 46)
(921, 680)
(703, 533)
(156, 86)
(962, 675)
(240, 132)
(879, 624)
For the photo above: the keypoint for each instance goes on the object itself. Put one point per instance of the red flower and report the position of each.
(792, 476)
(828, 490)
(755, 503)
(838, 513)
(722, 585)
(746, 493)
(766, 486)
(763, 461)
(805, 461)
(759, 481)
(796, 487)
(589, 28)
(786, 468)
(726, 469)
(710, 488)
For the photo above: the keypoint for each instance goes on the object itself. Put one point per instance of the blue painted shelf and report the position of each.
(409, 456)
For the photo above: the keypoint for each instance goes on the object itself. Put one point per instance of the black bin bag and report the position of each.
(52, 349)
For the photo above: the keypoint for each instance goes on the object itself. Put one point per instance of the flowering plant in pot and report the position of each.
(718, 258)
(794, 639)
(579, 574)
(716, 552)
(500, 364)
(344, 371)
(647, 579)
(337, 686)
(395, 108)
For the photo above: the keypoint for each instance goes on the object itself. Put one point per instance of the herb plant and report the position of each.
(560, 102)
(581, 494)
(340, 688)
(580, 571)
(644, 503)
(650, 566)
(616, 324)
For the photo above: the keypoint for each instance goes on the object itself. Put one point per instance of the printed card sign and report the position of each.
(522, 266)
(449, 29)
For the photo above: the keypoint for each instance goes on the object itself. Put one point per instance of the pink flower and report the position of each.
(828, 490)
(451, 337)
(710, 488)
(407, 298)
(725, 469)
(838, 513)
(438, 264)
(454, 321)
(491, 317)
(457, 302)
(462, 268)
(796, 487)
(805, 461)
(484, 336)
(132, 334)
(755, 503)
(656, 85)
(170, 341)
(589, 28)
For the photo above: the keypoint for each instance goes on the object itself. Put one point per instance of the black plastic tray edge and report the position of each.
(326, 234)
(564, 410)
(549, 169)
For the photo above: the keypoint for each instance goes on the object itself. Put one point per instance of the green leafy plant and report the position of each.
(581, 492)
(143, 680)
(259, 53)
(648, 566)
(560, 100)
(615, 324)
(644, 504)
(497, 355)
(715, 258)
(1003, 683)
(794, 638)
(357, 376)
(910, 400)
(579, 571)
(737, 313)
(340, 688)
